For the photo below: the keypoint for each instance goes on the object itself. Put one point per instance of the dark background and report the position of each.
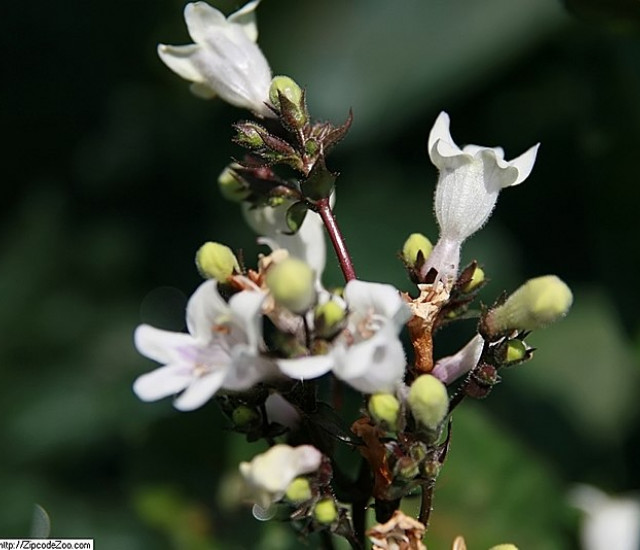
(109, 187)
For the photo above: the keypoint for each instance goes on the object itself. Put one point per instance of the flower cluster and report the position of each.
(264, 336)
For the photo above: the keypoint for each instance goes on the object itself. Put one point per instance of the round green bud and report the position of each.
(292, 284)
(504, 547)
(216, 261)
(328, 318)
(299, 490)
(535, 304)
(516, 351)
(287, 87)
(325, 511)
(476, 280)
(231, 187)
(244, 418)
(416, 243)
(384, 409)
(428, 401)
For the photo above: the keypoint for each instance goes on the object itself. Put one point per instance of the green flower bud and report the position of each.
(245, 418)
(231, 187)
(416, 243)
(325, 511)
(249, 134)
(299, 490)
(476, 280)
(406, 469)
(384, 409)
(504, 547)
(287, 87)
(428, 401)
(293, 112)
(291, 283)
(328, 318)
(537, 303)
(216, 261)
(516, 351)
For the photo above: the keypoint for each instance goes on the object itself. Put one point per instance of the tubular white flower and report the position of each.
(449, 369)
(224, 59)
(468, 186)
(269, 474)
(307, 244)
(367, 355)
(221, 350)
(610, 522)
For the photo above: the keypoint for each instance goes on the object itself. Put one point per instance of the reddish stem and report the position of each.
(323, 208)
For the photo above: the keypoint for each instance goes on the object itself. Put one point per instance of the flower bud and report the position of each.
(292, 109)
(415, 244)
(384, 409)
(299, 490)
(516, 351)
(428, 401)
(249, 134)
(245, 419)
(537, 303)
(504, 547)
(476, 280)
(216, 261)
(325, 511)
(328, 318)
(291, 283)
(231, 186)
(406, 468)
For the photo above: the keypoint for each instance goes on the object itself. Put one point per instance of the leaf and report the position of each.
(295, 216)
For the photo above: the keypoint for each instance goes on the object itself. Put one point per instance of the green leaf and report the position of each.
(295, 216)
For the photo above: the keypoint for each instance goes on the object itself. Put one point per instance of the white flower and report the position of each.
(220, 351)
(468, 186)
(307, 244)
(610, 522)
(449, 369)
(367, 355)
(269, 474)
(224, 59)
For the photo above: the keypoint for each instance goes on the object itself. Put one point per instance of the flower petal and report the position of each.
(200, 391)
(305, 368)
(246, 18)
(440, 131)
(524, 163)
(201, 20)
(247, 369)
(162, 382)
(379, 298)
(454, 366)
(180, 60)
(163, 346)
(205, 309)
(375, 365)
(245, 308)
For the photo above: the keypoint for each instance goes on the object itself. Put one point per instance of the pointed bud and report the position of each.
(291, 283)
(516, 351)
(428, 401)
(216, 261)
(283, 85)
(288, 99)
(231, 185)
(325, 511)
(249, 134)
(416, 243)
(299, 490)
(535, 304)
(384, 409)
(476, 280)
(329, 318)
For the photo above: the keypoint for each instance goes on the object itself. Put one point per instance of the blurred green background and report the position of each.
(111, 188)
